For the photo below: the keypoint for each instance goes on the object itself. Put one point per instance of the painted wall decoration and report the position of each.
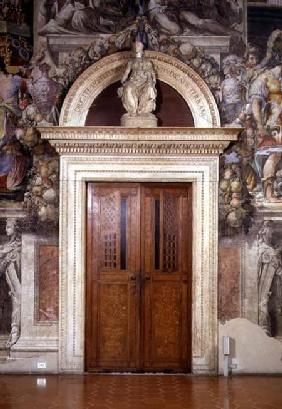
(173, 17)
(10, 254)
(251, 96)
(197, 17)
(246, 80)
(16, 31)
(270, 278)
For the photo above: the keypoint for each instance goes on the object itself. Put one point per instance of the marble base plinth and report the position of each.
(140, 121)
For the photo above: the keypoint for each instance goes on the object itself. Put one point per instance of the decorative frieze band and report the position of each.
(142, 149)
(139, 141)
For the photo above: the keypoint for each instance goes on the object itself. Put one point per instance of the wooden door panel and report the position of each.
(164, 324)
(116, 318)
(138, 277)
(113, 265)
(166, 272)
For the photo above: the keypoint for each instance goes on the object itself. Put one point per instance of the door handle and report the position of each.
(147, 277)
(132, 277)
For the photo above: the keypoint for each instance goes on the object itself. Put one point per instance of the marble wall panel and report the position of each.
(47, 289)
(229, 282)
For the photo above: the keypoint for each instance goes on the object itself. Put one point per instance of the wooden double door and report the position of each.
(138, 295)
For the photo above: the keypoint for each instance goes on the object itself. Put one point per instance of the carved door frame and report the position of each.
(139, 155)
(76, 171)
(160, 155)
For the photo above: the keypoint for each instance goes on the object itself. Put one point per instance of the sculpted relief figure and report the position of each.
(10, 266)
(138, 92)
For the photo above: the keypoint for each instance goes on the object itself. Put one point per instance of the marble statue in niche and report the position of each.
(138, 91)
(10, 254)
(270, 279)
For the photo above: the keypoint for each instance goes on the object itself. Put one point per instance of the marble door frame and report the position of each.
(159, 155)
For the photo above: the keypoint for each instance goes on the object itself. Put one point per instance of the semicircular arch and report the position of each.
(170, 70)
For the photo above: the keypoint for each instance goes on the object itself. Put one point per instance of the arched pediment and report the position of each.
(168, 69)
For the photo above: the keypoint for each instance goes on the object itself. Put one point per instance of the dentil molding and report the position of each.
(139, 141)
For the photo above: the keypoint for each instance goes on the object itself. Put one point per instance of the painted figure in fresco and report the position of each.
(269, 271)
(80, 16)
(13, 161)
(138, 92)
(10, 255)
(158, 12)
(266, 102)
(44, 92)
(232, 95)
(10, 86)
(176, 16)
(14, 164)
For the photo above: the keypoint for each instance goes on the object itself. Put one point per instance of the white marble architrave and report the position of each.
(139, 155)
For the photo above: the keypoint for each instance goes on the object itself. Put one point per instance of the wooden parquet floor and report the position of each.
(136, 392)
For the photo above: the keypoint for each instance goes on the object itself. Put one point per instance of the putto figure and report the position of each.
(138, 92)
(10, 254)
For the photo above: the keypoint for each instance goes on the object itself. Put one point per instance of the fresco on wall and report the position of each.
(250, 186)
(251, 97)
(27, 163)
(10, 266)
(172, 17)
(16, 33)
(202, 17)
(270, 278)
(246, 82)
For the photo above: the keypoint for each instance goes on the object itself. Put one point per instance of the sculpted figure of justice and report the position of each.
(10, 253)
(138, 91)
